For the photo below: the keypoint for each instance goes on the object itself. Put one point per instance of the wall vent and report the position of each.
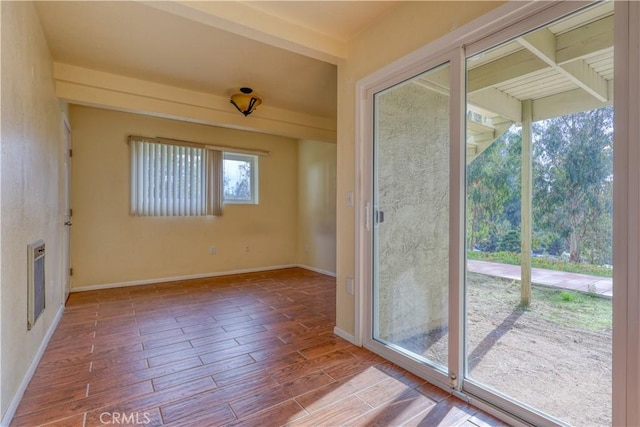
(36, 282)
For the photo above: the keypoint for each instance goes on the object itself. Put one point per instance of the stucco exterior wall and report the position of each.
(412, 180)
(405, 29)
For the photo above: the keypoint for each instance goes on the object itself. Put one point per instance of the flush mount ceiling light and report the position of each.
(246, 102)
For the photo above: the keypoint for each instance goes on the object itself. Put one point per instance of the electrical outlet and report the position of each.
(350, 289)
(212, 250)
(306, 249)
(247, 248)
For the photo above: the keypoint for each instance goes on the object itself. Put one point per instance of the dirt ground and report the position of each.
(554, 356)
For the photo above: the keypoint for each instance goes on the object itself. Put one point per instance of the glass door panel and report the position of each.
(411, 217)
(539, 219)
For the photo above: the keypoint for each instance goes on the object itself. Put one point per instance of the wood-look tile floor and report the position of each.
(249, 350)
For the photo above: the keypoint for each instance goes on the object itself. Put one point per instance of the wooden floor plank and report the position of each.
(396, 412)
(280, 414)
(338, 414)
(448, 412)
(254, 349)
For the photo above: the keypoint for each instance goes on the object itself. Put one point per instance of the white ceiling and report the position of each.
(185, 45)
(337, 19)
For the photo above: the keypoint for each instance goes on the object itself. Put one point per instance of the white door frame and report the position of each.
(626, 215)
(66, 216)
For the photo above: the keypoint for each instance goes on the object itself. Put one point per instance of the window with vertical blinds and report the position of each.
(175, 179)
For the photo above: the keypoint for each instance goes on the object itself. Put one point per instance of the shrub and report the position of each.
(510, 242)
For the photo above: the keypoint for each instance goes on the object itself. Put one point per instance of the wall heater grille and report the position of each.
(36, 282)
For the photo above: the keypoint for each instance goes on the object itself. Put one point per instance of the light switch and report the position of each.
(350, 285)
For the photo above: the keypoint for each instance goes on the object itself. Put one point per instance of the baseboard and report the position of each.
(342, 334)
(8, 416)
(317, 270)
(194, 276)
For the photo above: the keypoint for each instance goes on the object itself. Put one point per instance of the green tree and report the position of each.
(243, 185)
(493, 193)
(572, 160)
(510, 242)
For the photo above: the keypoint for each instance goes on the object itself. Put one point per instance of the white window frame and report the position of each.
(253, 161)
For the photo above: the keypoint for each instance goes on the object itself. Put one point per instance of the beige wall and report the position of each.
(317, 205)
(110, 246)
(405, 29)
(31, 180)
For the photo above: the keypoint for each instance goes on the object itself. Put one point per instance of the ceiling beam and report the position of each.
(95, 88)
(570, 102)
(498, 102)
(542, 43)
(574, 45)
(242, 19)
(588, 79)
(584, 41)
(510, 67)
(489, 99)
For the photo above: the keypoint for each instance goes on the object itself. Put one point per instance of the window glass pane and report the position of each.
(239, 178)
(411, 217)
(539, 219)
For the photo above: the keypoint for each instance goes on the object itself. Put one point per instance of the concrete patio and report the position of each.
(559, 279)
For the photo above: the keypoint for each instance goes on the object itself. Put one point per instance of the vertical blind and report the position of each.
(216, 182)
(174, 180)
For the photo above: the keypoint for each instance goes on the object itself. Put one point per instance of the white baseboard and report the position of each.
(317, 270)
(8, 416)
(194, 276)
(342, 334)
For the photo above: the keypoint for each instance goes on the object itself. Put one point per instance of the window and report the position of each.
(240, 178)
(176, 178)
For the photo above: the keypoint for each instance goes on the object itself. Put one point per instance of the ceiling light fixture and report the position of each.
(246, 102)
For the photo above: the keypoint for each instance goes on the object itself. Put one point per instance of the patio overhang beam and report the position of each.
(572, 46)
(570, 102)
(543, 44)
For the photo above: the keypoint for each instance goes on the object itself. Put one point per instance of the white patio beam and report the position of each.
(498, 102)
(489, 98)
(585, 40)
(573, 101)
(572, 46)
(542, 43)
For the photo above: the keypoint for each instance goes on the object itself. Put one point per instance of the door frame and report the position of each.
(491, 29)
(66, 215)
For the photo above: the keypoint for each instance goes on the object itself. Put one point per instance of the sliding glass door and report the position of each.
(488, 216)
